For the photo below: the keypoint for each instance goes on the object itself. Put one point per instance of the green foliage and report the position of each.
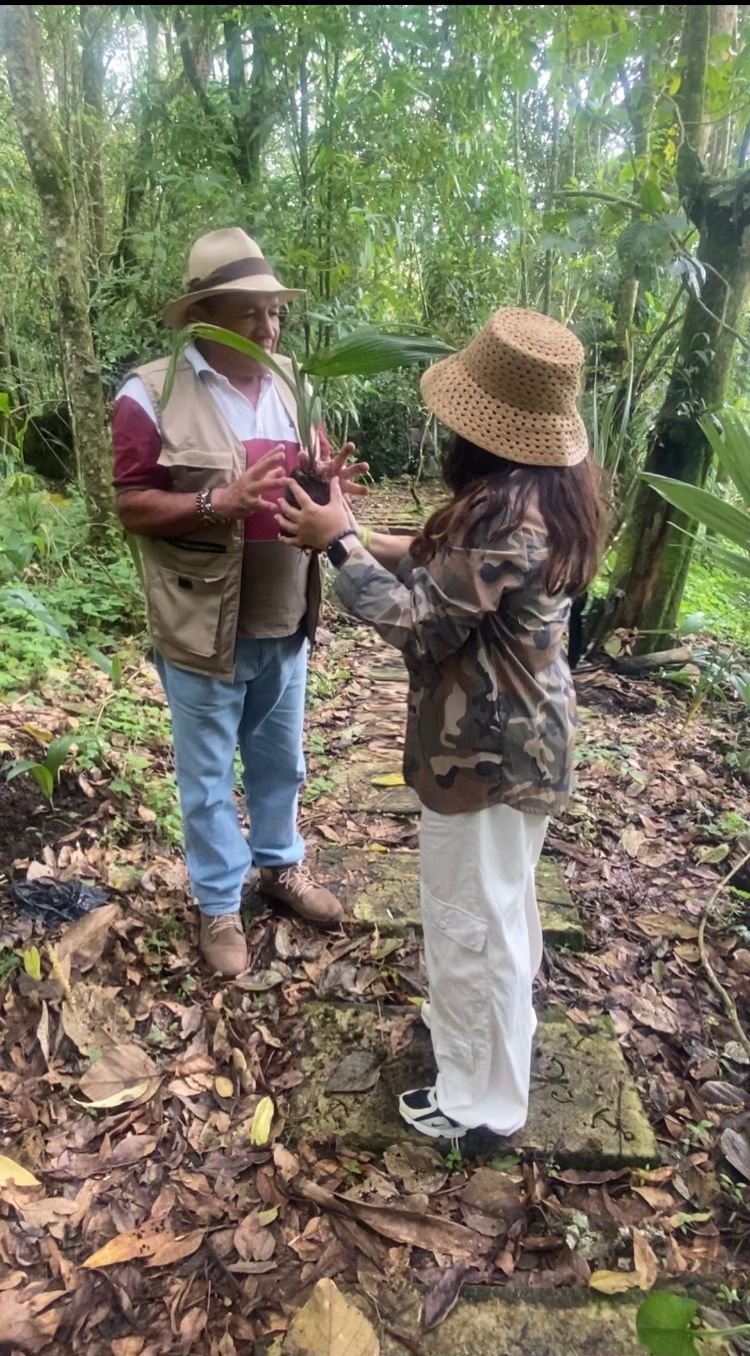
(45, 771)
(731, 444)
(665, 1325)
(388, 425)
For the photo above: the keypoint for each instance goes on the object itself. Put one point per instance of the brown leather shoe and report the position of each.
(223, 945)
(295, 886)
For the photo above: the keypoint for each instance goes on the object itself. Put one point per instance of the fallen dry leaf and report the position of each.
(124, 1074)
(330, 1325)
(494, 1193)
(12, 1172)
(83, 941)
(736, 1149)
(260, 1128)
(176, 1249)
(403, 1226)
(656, 1197)
(655, 1016)
(645, 1261)
(417, 1167)
(253, 1242)
(131, 1245)
(28, 1320)
(666, 925)
(443, 1296)
(287, 1163)
(613, 1282)
(357, 1072)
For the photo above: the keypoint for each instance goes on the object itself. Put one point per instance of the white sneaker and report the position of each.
(420, 1110)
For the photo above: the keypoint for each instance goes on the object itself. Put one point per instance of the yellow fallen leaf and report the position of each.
(330, 1325)
(613, 1282)
(223, 1087)
(129, 1246)
(389, 779)
(32, 963)
(268, 1216)
(42, 737)
(17, 1176)
(260, 1129)
(378, 847)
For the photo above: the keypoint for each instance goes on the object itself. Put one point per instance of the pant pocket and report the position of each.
(457, 967)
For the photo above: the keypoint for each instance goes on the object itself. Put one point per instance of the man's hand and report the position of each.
(335, 468)
(245, 494)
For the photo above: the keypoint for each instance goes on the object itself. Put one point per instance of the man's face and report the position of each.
(255, 318)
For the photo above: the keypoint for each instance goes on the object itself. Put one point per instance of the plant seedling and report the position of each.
(46, 771)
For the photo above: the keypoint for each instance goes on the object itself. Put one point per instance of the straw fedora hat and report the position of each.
(513, 390)
(226, 261)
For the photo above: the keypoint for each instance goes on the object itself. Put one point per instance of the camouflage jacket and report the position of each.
(491, 714)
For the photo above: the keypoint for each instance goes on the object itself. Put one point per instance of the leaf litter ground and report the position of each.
(157, 1200)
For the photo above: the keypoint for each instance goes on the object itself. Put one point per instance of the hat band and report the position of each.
(239, 268)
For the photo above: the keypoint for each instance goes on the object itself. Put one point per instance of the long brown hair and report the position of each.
(486, 500)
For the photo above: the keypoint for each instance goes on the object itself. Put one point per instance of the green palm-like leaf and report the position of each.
(44, 780)
(369, 351)
(706, 508)
(57, 752)
(731, 446)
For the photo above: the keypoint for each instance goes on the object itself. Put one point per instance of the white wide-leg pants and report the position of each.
(483, 946)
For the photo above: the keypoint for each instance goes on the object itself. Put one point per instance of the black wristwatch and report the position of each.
(336, 550)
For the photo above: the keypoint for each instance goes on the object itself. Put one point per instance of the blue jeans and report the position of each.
(261, 713)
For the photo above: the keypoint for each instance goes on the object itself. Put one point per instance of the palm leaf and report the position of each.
(369, 351)
(704, 507)
(731, 446)
(241, 345)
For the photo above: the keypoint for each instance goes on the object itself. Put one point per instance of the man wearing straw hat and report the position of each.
(231, 610)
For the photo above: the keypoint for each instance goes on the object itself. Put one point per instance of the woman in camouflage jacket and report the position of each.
(478, 604)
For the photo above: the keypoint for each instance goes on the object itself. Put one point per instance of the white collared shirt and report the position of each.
(267, 419)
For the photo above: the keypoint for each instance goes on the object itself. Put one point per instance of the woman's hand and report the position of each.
(309, 524)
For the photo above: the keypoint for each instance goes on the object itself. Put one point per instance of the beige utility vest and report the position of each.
(194, 580)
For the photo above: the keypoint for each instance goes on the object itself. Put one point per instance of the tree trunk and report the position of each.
(655, 555)
(250, 104)
(92, 20)
(51, 176)
(124, 254)
(304, 173)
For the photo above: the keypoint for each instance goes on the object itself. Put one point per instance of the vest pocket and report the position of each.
(185, 610)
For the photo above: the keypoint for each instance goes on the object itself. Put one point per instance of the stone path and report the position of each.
(585, 1111)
